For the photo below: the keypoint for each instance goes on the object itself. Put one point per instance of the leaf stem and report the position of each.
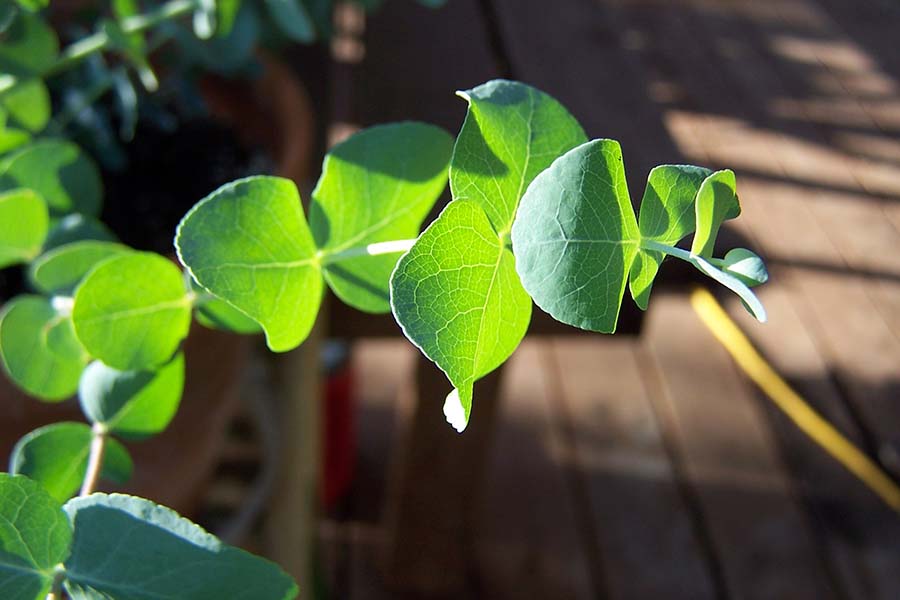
(59, 575)
(378, 248)
(95, 459)
(99, 41)
(709, 267)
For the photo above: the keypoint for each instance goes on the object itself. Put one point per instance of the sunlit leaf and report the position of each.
(23, 226)
(61, 269)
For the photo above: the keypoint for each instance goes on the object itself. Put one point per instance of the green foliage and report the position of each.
(132, 311)
(35, 535)
(61, 269)
(268, 268)
(511, 133)
(377, 186)
(23, 226)
(127, 547)
(39, 349)
(666, 216)
(56, 456)
(292, 19)
(133, 404)
(119, 547)
(576, 236)
(65, 177)
(457, 298)
(716, 202)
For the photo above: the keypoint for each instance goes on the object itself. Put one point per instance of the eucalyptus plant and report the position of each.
(538, 214)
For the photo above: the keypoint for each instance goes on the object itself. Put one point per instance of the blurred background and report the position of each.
(636, 466)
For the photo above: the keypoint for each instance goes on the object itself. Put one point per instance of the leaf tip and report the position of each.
(454, 411)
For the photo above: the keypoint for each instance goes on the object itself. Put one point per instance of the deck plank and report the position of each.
(640, 517)
(720, 121)
(759, 530)
(529, 536)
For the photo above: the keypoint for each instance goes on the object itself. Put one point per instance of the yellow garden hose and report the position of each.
(802, 414)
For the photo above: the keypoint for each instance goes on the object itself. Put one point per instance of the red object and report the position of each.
(339, 442)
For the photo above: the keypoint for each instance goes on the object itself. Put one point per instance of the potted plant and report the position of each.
(539, 213)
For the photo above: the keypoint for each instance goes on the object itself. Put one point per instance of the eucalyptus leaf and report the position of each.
(28, 104)
(746, 266)
(215, 313)
(23, 226)
(75, 228)
(35, 535)
(130, 548)
(29, 46)
(132, 311)
(11, 138)
(56, 456)
(716, 202)
(66, 178)
(267, 266)
(60, 270)
(377, 186)
(39, 349)
(135, 404)
(667, 216)
(576, 235)
(511, 133)
(292, 19)
(458, 299)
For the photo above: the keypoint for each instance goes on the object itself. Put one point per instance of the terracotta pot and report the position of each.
(272, 113)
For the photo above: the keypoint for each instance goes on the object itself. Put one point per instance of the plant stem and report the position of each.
(394, 246)
(95, 459)
(56, 592)
(669, 250)
(135, 24)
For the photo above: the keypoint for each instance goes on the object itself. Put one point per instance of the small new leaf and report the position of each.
(716, 202)
(666, 216)
(134, 404)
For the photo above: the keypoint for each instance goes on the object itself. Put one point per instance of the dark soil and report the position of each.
(167, 173)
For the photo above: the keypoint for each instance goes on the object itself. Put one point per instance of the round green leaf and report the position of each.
(292, 18)
(716, 202)
(35, 535)
(76, 228)
(60, 270)
(65, 177)
(56, 456)
(746, 266)
(29, 45)
(127, 547)
(458, 299)
(511, 133)
(266, 266)
(28, 104)
(576, 235)
(132, 311)
(132, 403)
(377, 186)
(23, 226)
(39, 349)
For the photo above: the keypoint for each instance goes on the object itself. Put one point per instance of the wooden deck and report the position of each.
(649, 467)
